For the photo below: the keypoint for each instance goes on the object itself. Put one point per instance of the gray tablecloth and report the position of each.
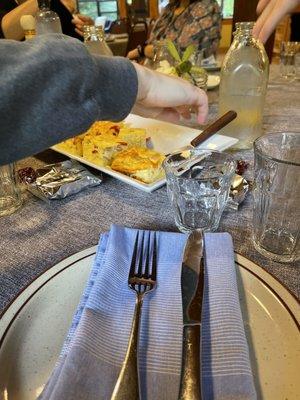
(40, 235)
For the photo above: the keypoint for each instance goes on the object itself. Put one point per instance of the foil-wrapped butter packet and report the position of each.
(238, 191)
(58, 181)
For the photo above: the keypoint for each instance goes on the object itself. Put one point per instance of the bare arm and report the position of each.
(57, 90)
(11, 21)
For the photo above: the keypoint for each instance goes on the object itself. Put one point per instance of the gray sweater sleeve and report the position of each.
(51, 88)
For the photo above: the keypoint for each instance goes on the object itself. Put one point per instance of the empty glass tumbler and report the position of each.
(276, 216)
(288, 55)
(10, 196)
(198, 183)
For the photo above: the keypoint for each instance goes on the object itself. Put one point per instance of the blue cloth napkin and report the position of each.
(96, 344)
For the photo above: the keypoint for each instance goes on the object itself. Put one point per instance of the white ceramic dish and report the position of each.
(165, 138)
(212, 67)
(33, 328)
(213, 81)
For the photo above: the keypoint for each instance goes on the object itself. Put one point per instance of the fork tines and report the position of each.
(142, 274)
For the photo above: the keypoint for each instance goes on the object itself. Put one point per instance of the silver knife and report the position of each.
(192, 279)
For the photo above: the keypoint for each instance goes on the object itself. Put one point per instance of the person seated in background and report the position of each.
(12, 10)
(185, 22)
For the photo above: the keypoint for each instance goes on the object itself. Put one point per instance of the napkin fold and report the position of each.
(96, 344)
(226, 369)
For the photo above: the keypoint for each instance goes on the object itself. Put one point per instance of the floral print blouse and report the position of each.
(198, 24)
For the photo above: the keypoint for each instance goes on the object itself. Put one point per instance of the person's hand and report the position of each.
(79, 21)
(167, 97)
(133, 54)
(271, 12)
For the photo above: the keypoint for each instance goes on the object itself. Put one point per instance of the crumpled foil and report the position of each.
(238, 191)
(57, 181)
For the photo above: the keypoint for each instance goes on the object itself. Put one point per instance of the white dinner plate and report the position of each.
(33, 328)
(165, 138)
(213, 81)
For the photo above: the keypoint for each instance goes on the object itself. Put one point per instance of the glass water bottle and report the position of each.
(47, 21)
(94, 40)
(244, 78)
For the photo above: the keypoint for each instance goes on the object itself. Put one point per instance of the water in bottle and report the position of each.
(244, 78)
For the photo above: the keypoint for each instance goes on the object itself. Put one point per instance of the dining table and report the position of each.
(41, 234)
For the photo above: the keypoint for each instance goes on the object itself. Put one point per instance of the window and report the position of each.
(95, 8)
(109, 8)
(226, 7)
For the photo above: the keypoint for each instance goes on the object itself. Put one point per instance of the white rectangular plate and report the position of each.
(165, 138)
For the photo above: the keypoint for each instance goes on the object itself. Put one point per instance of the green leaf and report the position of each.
(183, 67)
(188, 52)
(173, 51)
(198, 70)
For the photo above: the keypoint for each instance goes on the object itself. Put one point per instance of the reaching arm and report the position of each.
(271, 12)
(53, 89)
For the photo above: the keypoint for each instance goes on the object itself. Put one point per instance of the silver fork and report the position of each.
(142, 280)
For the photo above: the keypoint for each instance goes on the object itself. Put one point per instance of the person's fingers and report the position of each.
(262, 5)
(166, 114)
(185, 111)
(75, 19)
(281, 8)
(79, 31)
(161, 91)
(271, 16)
(169, 115)
(79, 22)
(145, 111)
(85, 18)
(261, 20)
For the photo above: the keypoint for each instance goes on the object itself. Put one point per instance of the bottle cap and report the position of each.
(27, 22)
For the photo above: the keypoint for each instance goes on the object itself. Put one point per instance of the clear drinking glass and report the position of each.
(287, 59)
(10, 195)
(198, 183)
(297, 61)
(276, 216)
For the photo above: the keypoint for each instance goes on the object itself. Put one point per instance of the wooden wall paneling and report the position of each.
(122, 8)
(153, 9)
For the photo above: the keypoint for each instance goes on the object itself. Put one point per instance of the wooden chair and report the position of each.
(120, 26)
(138, 34)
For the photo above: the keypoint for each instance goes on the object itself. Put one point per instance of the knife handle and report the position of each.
(190, 387)
(214, 128)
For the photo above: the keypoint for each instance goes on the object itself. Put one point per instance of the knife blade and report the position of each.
(192, 277)
(210, 130)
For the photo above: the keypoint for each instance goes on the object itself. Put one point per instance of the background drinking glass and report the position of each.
(276, 217)
(10, 196)
(297, 61)
(287, 59)
(198, 183)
